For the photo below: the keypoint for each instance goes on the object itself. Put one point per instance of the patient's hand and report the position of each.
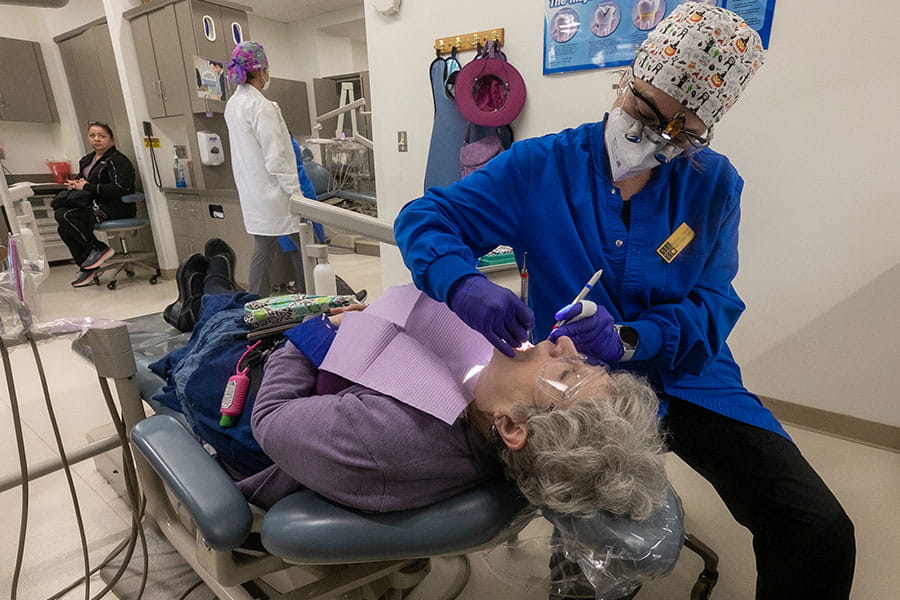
(76, 184)
(336, 313)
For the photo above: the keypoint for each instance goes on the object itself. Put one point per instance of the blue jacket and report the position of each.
(196, 375)
(553, 197)
(309, 191)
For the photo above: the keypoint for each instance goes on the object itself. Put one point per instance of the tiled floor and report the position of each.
(867, 480)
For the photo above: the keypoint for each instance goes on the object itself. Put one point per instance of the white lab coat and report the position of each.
(263, 162)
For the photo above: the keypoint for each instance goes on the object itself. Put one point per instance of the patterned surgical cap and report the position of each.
(246, 56)
(702, 56)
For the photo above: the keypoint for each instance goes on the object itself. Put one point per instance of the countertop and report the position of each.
(198, 191)
(48, 186)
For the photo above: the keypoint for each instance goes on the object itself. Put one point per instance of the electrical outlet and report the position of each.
(401, 141)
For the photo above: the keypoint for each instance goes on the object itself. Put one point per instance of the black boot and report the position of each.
(182, 314)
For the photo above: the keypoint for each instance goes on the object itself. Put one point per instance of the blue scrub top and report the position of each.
(554, 198)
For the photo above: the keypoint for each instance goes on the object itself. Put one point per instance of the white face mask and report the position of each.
(627, 158)
(266, 84)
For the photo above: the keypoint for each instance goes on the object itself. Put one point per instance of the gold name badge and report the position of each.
(677, 242)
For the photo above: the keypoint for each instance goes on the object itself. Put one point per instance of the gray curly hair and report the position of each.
(603, 452)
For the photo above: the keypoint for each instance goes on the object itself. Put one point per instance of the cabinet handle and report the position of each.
(156, 87)
(2, 101)
(162, 89)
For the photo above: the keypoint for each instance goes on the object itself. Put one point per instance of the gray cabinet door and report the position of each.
(207, 48)
(222, 218)
(24, 87)
(97, 97)
(198, 22)
(326, 94)
(230, 17)
(291, 98)
(143, 42)
(81, 59)
(169, 61)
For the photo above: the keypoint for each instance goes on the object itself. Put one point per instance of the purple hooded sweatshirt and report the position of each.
(393, 438)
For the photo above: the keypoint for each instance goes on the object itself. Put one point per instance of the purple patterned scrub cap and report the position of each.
(701, 55)
(246, 57)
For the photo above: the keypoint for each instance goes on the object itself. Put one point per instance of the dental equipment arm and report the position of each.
(370, 227)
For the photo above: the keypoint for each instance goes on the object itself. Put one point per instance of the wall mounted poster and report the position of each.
(596, 34)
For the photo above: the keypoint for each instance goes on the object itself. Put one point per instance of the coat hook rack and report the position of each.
(468, 41)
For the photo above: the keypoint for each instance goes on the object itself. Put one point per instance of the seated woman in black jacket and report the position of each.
(107, 175)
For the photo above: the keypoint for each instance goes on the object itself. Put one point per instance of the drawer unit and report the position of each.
(54, 247)
(188, 228)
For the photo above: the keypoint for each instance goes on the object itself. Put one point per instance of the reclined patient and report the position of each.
(401, 405)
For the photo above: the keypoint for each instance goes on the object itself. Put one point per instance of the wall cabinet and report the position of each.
(215, 30)
(204, 214)
(25, 93)
(162, 66)
(90, 66)
(169, 35)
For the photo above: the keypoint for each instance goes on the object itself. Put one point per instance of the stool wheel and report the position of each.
(154, 280)
(111, 285)
(129, 273)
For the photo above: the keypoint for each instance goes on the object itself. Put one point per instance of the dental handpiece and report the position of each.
(584, 292)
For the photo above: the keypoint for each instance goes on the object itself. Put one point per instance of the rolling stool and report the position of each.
(125, 260)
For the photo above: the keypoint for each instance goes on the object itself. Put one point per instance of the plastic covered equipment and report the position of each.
(615, 554)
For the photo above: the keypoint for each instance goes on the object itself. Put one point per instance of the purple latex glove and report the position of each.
(591, 329)
(493, 311)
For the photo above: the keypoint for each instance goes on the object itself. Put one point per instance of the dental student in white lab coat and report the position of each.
(265, 172)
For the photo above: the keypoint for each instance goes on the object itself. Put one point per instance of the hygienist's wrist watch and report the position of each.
(629, 339)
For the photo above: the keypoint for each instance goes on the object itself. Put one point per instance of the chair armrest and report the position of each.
(210, 496)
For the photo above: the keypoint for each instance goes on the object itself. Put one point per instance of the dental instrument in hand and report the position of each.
(523, 290)
(581, 295)
(523, 279)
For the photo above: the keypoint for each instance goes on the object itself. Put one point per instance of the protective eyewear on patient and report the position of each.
(562, 378)
(671, 130)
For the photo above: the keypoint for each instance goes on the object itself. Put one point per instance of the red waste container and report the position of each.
(61, 171)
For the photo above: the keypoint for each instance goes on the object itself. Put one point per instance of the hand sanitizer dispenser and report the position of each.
(211, 152)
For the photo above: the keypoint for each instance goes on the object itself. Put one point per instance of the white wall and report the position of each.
(278, 43)
(815, 136)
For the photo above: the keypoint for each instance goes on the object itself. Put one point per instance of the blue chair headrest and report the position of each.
(318, 175)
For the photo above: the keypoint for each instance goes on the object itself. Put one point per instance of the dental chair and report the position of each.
(305, 546)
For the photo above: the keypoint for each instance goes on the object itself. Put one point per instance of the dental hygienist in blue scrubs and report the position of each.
(641, 196)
